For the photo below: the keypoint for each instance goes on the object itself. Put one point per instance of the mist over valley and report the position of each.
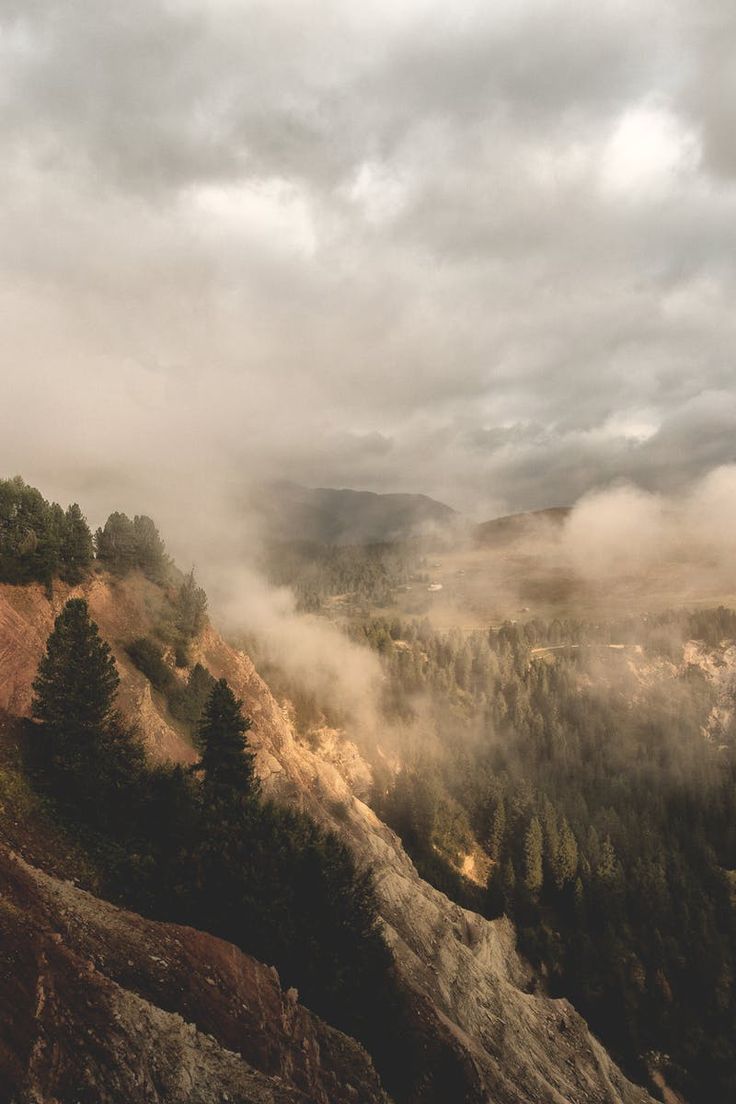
(367, 552)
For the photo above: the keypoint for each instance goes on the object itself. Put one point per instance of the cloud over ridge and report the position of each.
(483, 253)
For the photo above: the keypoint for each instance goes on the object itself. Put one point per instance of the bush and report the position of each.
(148, 658)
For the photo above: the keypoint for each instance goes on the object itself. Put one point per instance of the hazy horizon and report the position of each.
(484, 254)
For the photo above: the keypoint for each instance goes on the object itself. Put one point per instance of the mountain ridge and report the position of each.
(331, 515)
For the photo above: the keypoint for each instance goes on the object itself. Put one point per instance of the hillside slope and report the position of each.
(505, 530)
(98, 1004)
(487, 1036)
(326, 515)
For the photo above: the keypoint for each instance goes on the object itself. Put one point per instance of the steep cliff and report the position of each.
(99, 1005)
(486, 1033)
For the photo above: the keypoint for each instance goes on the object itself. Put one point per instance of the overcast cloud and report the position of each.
(481, 250)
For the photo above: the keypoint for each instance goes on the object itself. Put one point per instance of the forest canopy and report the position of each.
(596, 768)
(40, 540)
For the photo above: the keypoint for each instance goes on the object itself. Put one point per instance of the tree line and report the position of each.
(41, 541)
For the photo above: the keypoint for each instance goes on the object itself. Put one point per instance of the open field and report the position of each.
(533, 577)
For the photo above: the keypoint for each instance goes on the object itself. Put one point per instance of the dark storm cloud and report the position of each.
(480, 251)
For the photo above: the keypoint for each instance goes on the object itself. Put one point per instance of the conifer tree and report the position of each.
(533, 870)
(116, 543)
(77, 678)
(225, 759)
(124, 545)
(85, 753)
(150, 550)
(566, 857)
(607, 867)
(191, 608)
(498, 831)
(77, 549)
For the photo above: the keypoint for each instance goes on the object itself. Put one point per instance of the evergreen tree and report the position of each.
(607, 866)
(87, 756)
(187, 702)
(77, 548)
(124, 545)
(533, 870)
(77, 678)
(225, 760)
(498, 831)
(150, 550)
(566, 858)
(190, 614)
(116, 543)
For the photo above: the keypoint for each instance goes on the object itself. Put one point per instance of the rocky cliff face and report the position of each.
(488, 1036)
(99, 1005)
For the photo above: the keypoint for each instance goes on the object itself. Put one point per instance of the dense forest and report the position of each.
(359, 575)
(605, 800)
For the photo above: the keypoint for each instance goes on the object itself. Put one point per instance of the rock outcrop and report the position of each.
(488, 1036)
(99, 1005)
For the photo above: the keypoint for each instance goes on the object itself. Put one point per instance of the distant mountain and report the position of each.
(514, 527)
(326, 515)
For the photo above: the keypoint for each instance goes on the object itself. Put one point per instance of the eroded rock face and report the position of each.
(488, 1038)
(99, 1005)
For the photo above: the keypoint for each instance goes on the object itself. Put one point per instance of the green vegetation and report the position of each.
(148, 656)
(124, 545)
(609, 817)
(201, 847)
(363, 575)
(190, 610)
(186, 700)
(226, 762)
(84, 752)
(39, 540)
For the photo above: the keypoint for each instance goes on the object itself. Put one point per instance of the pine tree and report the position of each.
(77, 678)
(607, 866)
(533, 871)
(225, 760)
(191, 609)
(566, 858)
(116, 543)
(77, 550)
(150, 550)
(498, 831)
(87, 756)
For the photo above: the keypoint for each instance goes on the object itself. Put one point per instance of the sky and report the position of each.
(483, 251)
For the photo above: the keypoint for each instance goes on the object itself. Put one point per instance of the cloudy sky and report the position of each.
(481, 250)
